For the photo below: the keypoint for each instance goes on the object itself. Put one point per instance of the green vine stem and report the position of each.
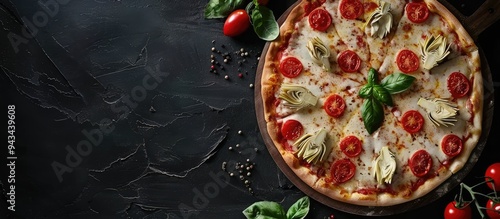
(461, 203)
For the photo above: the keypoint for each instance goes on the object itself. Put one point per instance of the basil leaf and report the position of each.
(382, 95)
(366, 91)
(397, 82)
(299, 209)
(373, 114)
(264, 210)
(372, 76)
(221, 8)
(264, 23)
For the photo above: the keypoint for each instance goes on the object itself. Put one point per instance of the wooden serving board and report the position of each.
(482, 18)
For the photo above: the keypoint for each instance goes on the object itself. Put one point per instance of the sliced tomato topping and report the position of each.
(417, 12)
(291, 67)
(342, 170)
(370, 6)
(311, 6)
(458, 84)
(351, 146)
(451, 145)
(291, 129)
(412, 121)
(351, 9)
(335, 105)
(420, 163)
(407, 61)
(349, 61)
(320, 19)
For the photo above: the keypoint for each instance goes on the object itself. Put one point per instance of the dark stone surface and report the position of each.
(126, 84)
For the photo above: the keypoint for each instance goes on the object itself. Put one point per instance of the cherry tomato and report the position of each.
(453, 212)
(335, 105)
(458, 84)
(417, 12)
(342, 170)
(292, 129)
(236, 23)
(320, 19)
(351, 9)
(291, 67)
(351, 146)
(493, 209)
(451, 145)
(412, 121)
(349, 61)
(420, 163)
(493, 172)
(407, 61)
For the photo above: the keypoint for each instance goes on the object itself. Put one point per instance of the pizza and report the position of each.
(370, 102)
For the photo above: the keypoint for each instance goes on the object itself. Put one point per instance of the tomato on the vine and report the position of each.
(493, 172)
(493, 209)
(452, 211)
(236, 23)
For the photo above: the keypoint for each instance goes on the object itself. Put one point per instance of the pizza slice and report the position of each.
(434, 119)
(381, 24)
(422, 40)
(348, 19)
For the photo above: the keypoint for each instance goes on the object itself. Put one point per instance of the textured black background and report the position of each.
(85, 68)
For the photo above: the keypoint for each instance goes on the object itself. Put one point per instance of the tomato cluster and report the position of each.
(460, 209)
(493, 181)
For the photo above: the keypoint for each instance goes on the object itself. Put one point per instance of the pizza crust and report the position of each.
(271, 80)
(476, 97)
(476, 100)
(465, 39)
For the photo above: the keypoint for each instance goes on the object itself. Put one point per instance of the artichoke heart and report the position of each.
(312, 147)
(319, 52)
(384, 166)
(381, 20)
(433, 50)
(439, 111)
(297, 97)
